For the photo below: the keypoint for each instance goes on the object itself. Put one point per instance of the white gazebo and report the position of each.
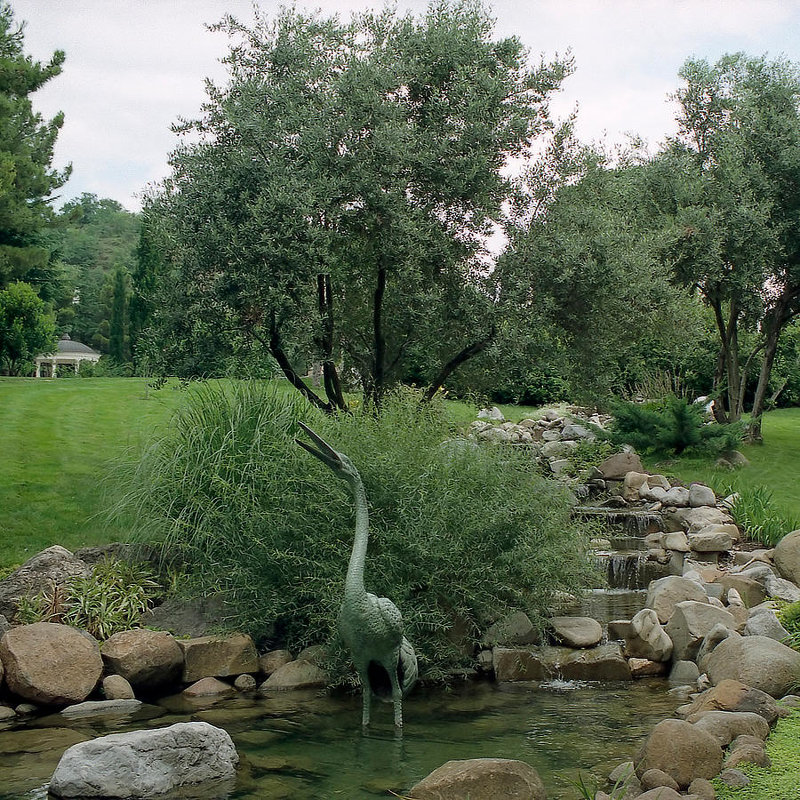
(67, 352)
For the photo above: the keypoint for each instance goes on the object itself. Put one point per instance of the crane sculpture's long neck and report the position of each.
(354, 584)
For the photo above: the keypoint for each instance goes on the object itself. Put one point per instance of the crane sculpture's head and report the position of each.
(341, 465)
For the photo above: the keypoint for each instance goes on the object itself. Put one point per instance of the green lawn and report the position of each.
(60, 438)
(774, 464)
(57, 441)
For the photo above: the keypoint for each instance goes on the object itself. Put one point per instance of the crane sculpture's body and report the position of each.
(370, 626)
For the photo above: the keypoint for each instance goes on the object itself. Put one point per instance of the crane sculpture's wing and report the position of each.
(408, 670)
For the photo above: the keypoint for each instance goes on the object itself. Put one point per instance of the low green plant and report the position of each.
(759, 518)
(670, 426)
(111, 599)
(459, 534)
(585, 792)
(789, 616)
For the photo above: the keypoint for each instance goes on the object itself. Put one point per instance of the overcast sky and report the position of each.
(134, 66)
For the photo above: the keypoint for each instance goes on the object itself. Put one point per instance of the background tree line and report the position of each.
(332, 202)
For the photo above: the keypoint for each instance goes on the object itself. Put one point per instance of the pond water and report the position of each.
(300, 745)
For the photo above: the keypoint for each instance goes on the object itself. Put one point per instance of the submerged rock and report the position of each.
(481, 779)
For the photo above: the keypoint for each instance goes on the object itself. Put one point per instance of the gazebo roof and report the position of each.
(67, 347)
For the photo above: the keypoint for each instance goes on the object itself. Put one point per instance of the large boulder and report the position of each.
(756, 661)
(647, 638)
(725, 726)
(616, 467)
(481, 779)
(665, 593)
(144, 764)
(680, 749)
(603, 663)
(690, 623)
(763, 621)
(786, 557)
(218, 656)
(730, 695)
(50, 664)
(146, 659)
(40, 573)
(693, 520)
(577, 631)
(701, 495)
(515, 629)
(299, 674)
(196, 617)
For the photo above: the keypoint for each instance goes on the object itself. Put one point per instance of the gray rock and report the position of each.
(218, 656)
(602, 663)
(50, 664)
(617, 466)
(725, 726)
(481, 779)
(653, 778)
(147, 659)
(751, 592)
(270, 661)
(298, 674)
(676, 540)
(734, 778)
(731, 695)
(493, 413)
(574, 431)
(681, 750)
(5, 625)
(786, 557)
(142, 764)
(208, 687)
(677, 496)
(7, 713)
(756, 661)
(196, 617)
(703, 789)
(695, 519)
(41, 573)
(714, 637)
(710, 542)
(762, 621)
(115, 687)
(782, 589)
(647, 638)
(684, 673)
(516, 629)
(577, 631)
(746, 749)
(245, 683)
(97, 708)
(660, 793)
(690, 623)
(700, 495)
(665, 593)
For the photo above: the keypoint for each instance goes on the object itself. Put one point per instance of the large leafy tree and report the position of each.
(586, 291)
(736, 171)
(27, 178)
(334, 198)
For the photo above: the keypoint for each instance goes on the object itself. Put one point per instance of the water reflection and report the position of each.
(298, 745)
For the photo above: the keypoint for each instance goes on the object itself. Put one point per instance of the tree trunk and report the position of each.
(330, 375)
(455, 362)
(775, 323)
(278, 353)
(378, 376)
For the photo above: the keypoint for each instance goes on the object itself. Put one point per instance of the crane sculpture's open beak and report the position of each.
(326, 454)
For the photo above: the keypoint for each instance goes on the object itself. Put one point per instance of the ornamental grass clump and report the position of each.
(459, 534)
(759, 518)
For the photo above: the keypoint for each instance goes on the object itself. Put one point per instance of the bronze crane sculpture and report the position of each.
(371, 626)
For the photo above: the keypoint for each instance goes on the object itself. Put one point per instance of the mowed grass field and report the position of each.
(61, 439)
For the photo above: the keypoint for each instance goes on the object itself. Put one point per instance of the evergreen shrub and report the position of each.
(459, 534)
(672, 425)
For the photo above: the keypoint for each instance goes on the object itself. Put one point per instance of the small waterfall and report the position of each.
(629, 570)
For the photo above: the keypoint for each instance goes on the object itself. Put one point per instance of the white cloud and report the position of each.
(134, 67)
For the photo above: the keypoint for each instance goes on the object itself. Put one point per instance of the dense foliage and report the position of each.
(112, 598)
(460, 535)
(27, 328)
(333, 200)
(759, 518)
(672, 425)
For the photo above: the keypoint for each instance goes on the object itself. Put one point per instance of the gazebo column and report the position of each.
(38, 369)
(53, 369)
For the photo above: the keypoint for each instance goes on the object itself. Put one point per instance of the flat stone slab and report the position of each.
(94, 708)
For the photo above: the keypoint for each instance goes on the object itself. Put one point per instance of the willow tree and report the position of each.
(334, 197)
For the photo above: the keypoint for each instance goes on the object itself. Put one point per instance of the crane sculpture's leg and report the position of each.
(397, 700)
(366, 696)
